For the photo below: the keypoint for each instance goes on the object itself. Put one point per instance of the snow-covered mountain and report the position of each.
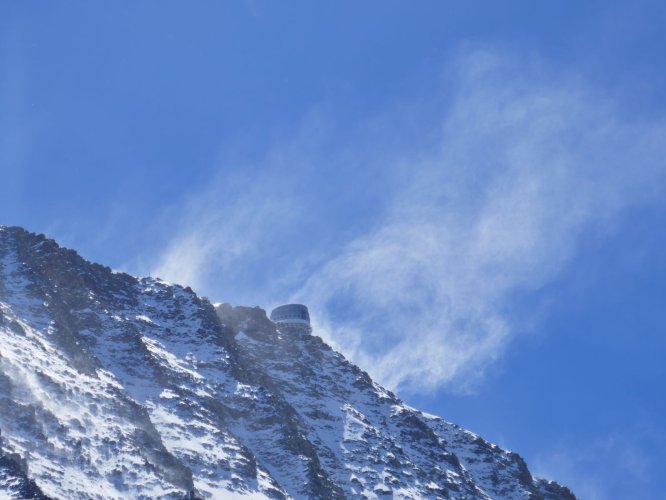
(117, 387)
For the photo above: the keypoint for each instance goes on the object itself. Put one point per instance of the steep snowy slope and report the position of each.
(368, 440)
(117, 387)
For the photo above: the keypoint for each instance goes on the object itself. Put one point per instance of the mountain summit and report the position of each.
(113, 386)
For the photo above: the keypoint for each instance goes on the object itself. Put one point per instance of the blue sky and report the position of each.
(469, 196)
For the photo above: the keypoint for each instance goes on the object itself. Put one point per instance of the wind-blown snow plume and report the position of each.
(225, 224)
(527, 161)
(526, 166)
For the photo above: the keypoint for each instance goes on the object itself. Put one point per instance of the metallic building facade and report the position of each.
(292, 316)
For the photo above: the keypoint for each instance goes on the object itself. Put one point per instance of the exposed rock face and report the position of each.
(118, 387)
(14, 480)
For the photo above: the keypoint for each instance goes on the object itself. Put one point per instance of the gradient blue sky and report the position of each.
(469, 195)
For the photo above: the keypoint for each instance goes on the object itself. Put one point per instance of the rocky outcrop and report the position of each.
(117, 387)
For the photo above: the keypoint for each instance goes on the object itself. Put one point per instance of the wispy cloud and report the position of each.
(419, 293)
(527, 162)
(223, 231)
(256, 230)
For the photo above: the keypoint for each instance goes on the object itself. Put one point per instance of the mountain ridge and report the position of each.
(147, 390)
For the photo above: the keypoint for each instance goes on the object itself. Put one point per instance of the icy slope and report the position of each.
(117, 387)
